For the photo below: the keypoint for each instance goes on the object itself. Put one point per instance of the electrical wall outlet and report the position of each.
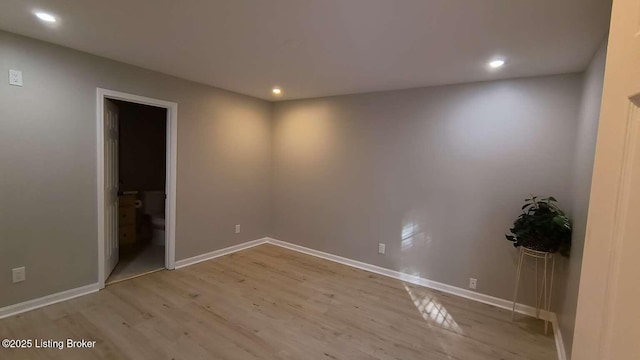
(238, 229)
(381, 248)
(15, 77)
(473, 283)
(19, 274)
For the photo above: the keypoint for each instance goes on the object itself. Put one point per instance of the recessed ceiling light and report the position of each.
(45, 16)
(494, 64)
(276, 91)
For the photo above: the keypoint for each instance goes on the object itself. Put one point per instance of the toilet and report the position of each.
(153, 206)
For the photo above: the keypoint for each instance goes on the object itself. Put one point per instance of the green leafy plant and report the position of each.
(542, 226)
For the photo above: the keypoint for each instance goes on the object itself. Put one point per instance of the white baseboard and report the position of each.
(468, 294)
(218, 253)
(562, 352)
(47, 300)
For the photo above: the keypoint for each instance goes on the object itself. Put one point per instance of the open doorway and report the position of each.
(136, 185)
(141, 164)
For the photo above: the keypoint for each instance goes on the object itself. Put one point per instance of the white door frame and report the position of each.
(171, 168)
(606, 325)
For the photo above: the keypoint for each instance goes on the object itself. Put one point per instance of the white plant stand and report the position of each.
(546, 283)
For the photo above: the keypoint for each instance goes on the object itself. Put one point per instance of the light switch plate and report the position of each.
(15, 77)
(238, 229)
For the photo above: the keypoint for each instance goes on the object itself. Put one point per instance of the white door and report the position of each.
(608, 317)
(110, 186)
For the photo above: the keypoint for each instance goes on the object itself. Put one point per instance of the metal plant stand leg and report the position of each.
(515, 292)
(537, 297)
(553, 267)
(546, 300)
(547, 283)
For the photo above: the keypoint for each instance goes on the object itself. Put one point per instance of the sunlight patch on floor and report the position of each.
(432, 310)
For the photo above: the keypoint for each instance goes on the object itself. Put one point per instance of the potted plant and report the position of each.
(542, 226)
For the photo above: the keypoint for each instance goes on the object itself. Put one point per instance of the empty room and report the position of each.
(320, 179)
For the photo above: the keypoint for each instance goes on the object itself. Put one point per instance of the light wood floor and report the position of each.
(271, 303)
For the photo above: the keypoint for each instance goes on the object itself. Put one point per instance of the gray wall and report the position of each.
(438, 174)
(48, 164)
(569, 279)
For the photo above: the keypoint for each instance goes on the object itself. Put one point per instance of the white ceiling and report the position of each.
(314, 48)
